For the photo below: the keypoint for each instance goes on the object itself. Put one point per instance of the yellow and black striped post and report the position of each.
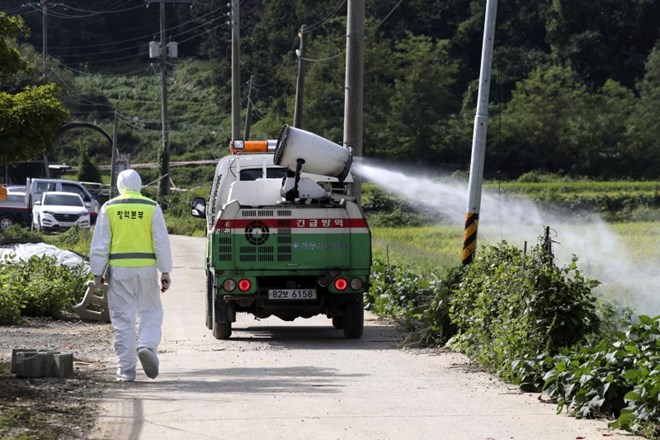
(470, 237)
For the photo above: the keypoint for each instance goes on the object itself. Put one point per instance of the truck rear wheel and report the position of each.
(354, 319)
(221, 330)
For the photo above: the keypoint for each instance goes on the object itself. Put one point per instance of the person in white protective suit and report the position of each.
(131, 241)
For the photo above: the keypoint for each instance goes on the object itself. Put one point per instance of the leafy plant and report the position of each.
(510, 307)
(617, 377)
(38, 287)
(18, 234)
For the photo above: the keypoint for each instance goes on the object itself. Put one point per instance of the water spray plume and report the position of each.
(602, 255)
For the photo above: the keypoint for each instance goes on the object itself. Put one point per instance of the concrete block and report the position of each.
(100, 311)
(41, 363)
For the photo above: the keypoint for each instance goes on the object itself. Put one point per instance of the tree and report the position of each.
(644, 125)
(603, 39)
(538, 123)
(28, 118)
(87, 170)
(422, 99)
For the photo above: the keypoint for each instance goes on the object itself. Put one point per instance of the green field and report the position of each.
(435, 248)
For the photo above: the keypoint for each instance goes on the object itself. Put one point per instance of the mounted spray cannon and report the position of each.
(299, 150)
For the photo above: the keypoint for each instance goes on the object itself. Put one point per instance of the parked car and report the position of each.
(58, 211)
(36, 187)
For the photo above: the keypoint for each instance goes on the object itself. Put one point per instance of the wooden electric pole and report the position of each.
(44, 34)
(113, 158)
(164, 156)
(300, 82)
(353, 93)
(235, 72)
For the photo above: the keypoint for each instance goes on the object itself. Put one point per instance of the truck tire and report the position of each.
(209, 302)
(6, 221)
(338, 321)
(354, 319)
(221, 330)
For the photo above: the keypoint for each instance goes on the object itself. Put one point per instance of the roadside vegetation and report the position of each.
(533, 323)
(39, 286)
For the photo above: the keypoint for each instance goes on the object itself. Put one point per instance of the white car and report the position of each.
(58, 211)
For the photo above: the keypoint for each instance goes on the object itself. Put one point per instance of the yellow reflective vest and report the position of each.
(130, 216)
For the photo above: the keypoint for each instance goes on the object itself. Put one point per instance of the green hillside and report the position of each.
(574, 89)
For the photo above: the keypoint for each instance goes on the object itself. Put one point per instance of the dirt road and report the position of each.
(303, 380)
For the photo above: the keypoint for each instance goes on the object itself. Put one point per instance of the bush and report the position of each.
(511, 306)
(38, 287)
(18, 234)
(422, 305)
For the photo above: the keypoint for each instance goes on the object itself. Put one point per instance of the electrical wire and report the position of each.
(313, 60)
(53, 12)
(389, 13)
(327, 18)
(143, 37)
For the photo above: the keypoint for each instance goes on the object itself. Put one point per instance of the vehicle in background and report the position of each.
(13, 209)
(59, 211)
(39, 186)
(17, 209)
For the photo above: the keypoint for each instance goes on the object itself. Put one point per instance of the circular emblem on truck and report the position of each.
(256, 233)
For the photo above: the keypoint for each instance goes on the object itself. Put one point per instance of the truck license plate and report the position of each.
(292, 294)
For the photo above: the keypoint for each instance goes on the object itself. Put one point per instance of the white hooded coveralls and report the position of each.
(133, 292)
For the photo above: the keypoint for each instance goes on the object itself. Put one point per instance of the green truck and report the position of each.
(282, 240)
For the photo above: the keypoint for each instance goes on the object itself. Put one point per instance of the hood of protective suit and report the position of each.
(129, 180)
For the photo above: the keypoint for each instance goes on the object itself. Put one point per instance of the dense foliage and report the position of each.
(616, 377)
(28, 117)
(575, 85)
(536, 325)
(40, 286)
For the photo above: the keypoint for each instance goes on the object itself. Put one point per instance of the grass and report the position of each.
(642, 239)
(426, 249)
(434, 249)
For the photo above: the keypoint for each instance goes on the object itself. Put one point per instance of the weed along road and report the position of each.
(304, 380)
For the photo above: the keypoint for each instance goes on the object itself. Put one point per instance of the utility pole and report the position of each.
(161, 52)
(353, 93)
(235, 72)
(113, 158)
(300, 82)
(164, 152)
(479, 137)
(248, 112)
(43, 4)
(44, 33)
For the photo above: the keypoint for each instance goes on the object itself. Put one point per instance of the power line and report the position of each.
(389, 13)
(148, 35)
(324, 20)
(312, 60)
